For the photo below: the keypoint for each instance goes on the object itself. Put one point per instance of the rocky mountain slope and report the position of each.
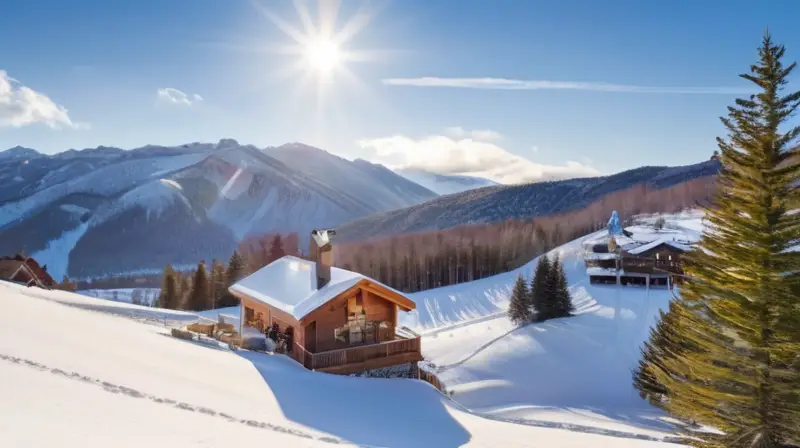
(106, 211)
(498, 203)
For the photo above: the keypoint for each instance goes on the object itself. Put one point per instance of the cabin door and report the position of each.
(311, 337)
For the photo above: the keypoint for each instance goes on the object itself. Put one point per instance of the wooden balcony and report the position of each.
(361, 358)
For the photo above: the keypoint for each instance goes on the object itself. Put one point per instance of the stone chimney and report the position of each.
(320, 249)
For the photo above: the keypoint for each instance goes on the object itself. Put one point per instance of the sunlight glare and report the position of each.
(323, 55)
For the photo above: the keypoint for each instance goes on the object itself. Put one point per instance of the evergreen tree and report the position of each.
(519, 309)
(233, 273)
(199, 294)
(217, 286)
(739, 309)
(550, 300)
(540, 291)
(235, 269)
(563, 300)
(168, 298)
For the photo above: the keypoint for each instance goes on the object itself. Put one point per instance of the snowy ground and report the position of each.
(511, 386)
(575, 371)
(80, 371)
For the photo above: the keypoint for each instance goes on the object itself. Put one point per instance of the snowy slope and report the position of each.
(574, 371)
(445, 183)
(181, 204)
(105, 181)
(98, 378)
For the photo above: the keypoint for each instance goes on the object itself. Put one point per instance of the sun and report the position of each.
(322, 55)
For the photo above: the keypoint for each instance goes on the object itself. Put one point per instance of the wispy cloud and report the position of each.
(22, 106)
(170, 95)
(523, 84)
(483, 135)
(464, 154)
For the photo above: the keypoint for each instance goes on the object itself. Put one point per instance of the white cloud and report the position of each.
(523, 84)
(22, 106)
(169, 95)
(480, 135)
(448, 154)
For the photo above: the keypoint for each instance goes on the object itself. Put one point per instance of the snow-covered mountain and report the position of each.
(105, 210)
(444, 184)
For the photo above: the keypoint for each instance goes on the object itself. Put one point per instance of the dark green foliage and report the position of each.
(519, 308)
(550, 296)
(563, 300)
(726, 354)
(542, 289)
(665, 343)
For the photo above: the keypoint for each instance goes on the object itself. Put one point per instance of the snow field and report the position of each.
(79, 367)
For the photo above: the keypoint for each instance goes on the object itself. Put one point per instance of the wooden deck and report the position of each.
(358, 359)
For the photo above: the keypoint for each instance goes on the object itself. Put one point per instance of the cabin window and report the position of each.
(669, 257)
(248, 314)
(656, 256)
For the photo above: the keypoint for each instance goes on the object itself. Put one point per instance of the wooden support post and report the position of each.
(241, 322)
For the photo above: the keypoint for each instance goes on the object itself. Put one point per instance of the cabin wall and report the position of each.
(669, 259)
(265, 315)
(335, 319)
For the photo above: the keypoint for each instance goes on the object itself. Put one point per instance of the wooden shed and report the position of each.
(340, 321)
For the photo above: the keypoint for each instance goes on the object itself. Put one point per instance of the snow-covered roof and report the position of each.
(653, 244)
(289, 284)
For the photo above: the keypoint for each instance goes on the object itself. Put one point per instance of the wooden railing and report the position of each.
(354, 355)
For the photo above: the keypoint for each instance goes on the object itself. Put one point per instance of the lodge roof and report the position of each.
(659, 242)
(289, 284)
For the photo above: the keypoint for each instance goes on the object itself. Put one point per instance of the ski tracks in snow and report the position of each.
(133, 393)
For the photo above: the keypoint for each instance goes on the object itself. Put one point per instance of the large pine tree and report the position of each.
(519, 308)
(739, 312)
(541, 289)
(563, 300)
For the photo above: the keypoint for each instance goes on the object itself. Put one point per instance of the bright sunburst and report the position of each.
(319, 45)
(322, 55)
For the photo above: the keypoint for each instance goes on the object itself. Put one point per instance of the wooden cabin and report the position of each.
(26, 271)
(339, 321)
(655, 263)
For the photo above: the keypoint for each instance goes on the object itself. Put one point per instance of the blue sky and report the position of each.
(672, 69)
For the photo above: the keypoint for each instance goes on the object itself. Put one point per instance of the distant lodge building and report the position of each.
(25, 271)
(652, 258)
(332, 320)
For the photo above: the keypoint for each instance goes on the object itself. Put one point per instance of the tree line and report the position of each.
(726, 353)
(547, 297)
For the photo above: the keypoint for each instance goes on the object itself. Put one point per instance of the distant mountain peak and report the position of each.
(227, 142)
(19, 152)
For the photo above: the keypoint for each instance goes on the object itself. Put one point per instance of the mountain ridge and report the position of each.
(498, 203)
(180, 204)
